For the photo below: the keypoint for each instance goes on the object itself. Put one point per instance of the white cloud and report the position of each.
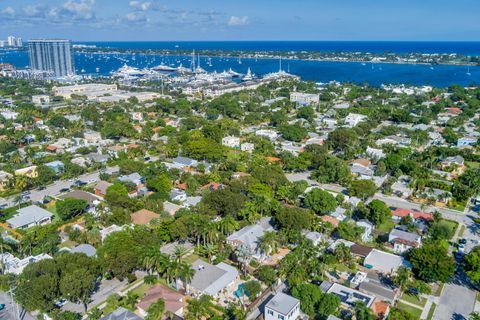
(8, 11)
(136, 17)
(142, 6)
(238, 21)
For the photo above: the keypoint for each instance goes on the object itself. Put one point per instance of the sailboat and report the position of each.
(468, 72)
(239, 60)
(249, 76)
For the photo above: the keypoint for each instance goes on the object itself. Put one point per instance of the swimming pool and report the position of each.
(240, 291)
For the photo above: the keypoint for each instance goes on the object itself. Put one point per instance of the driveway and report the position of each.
(456, 303)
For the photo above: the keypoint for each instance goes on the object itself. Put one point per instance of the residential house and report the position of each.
(171, 208)
(192, 201)
(30, 216)
(213, 186)
(272, 135)
(353, 119)
(178, 195)
(101, 188)
(304, 99)
(212, 279)
(401, 187)
(247, 147)
(232, 142)
(5, 179)
(30, 172)
(456, 164)
(143, 217)
(184, 163)
(86, 249)
(250, 236)
(349, 297)
(399, 213)
(282, 307)
(121, 314)
(374, 153)
(90, 198)
(466, 142)
(105, 232)
(437, 195)
(395, 140)
(384, 262)
(40, 99)
(56, 166)
(174, 301)
(368, 228)
(403, 241)
(12, 264)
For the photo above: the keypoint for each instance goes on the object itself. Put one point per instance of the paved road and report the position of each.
(10, 311)
(456, 303)
(54, 189)
(107, 288)
(391, 201)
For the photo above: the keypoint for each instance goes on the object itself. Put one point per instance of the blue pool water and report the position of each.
(240, 291)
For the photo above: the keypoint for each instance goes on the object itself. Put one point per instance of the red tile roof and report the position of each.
(400, 212)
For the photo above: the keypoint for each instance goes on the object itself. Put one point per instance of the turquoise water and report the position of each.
(240, 291)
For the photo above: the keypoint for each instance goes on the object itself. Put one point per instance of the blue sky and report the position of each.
(159, 20)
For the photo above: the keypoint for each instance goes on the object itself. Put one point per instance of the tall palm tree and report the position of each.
(156, 310)
(268, 243)
(244, 254)
(155, 260)
(4, 245)
(179, 252)
(21, 182)
(199, 308)
(210, 250)
(227, 225)
(186, 275)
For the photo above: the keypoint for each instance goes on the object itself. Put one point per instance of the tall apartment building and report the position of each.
(53, 55)
(11, 41)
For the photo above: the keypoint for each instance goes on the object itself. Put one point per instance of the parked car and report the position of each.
(462, 241)
(2, 306)
(64, 190)
(461, 248)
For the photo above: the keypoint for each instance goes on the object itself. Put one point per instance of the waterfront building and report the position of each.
(54, 55)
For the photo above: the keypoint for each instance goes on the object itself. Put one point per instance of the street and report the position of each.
(456, 303)
(10, 311)
(54, 189)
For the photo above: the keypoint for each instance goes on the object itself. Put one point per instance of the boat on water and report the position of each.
(249, 76)
(233, 74)
(468, 72)
(164, 68)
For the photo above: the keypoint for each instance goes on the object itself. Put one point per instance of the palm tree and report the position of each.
(179, 252)
(199, 308)
(186, 274)
(21, 182)
(156, 310)
(209, 250)
(227, 225)
(155, 260)
(268, 243)
(3, 245)
(132, 299)
(244, 254)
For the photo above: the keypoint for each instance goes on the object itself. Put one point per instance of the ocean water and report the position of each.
(460, 47)
(318, 71)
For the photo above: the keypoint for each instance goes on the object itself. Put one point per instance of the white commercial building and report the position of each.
(353, 119)
(304, 98)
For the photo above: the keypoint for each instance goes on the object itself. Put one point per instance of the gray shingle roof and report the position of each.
(210, 279)
(28, 215)
(86, 249)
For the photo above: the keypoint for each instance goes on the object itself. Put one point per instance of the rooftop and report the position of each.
(282, 303)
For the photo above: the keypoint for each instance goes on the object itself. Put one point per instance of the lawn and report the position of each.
(438, 292)
(414, 299)
(414, 312)
(192, 258)
(385, 227)
(431, 311)
(473, 165)
(462, 230)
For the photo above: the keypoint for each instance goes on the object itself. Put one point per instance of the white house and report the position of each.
(353, 119)
(41, 99)
(247, 146)
(367, 229)
(15, 265)
(375, 153)
(270, 134)
(282, 307)
(232, 142)
(403, 240)
(304, 98)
